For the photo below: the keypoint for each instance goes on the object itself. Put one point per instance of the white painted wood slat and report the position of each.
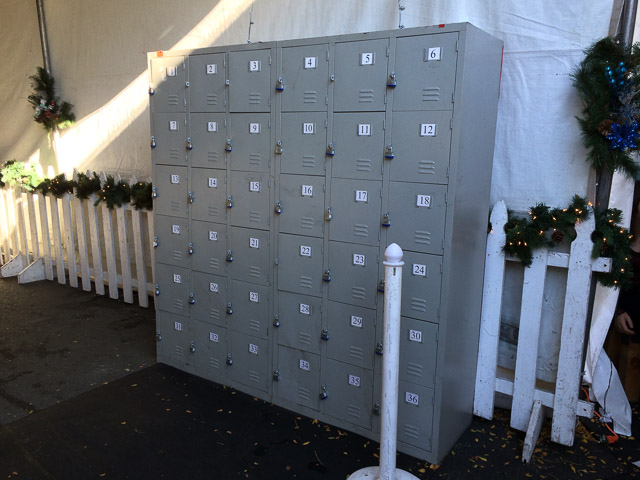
(69, 240)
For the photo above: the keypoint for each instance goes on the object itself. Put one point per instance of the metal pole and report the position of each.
(390, 365)
(44, 41)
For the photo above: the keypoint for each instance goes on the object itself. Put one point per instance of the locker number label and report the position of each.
(213, 236)
(213, 287)
(212, 126)
(434, 54)
(412, 398)
(172, 71)
(177, 278)
(213, 182)
(213, 337)
(254, 128)
(254, 186)
(175, 229)
(253, 349)
(307, 190)
(364, 129)
(308, 128)
(310, 62)
(177, 326)
(254, 65)
(305, 309)
(254, 242)
(354, 380)
(419, 270)
(415, 336)
(254, 297)
(362, 196)
(175, 179)
(356, 321)
(304, 365)
(427, 129)
(358, 259)
(305, 251)
(212, 69)
(173, 125)
(367, 58)
(423, 201)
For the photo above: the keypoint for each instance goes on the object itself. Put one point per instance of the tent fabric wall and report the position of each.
(98, 56)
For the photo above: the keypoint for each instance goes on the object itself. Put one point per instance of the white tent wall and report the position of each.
(98, 56)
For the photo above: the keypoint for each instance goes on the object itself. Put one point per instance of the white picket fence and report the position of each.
(533, 399)
(79, 240)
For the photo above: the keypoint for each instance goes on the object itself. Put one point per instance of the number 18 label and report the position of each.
(423, 201)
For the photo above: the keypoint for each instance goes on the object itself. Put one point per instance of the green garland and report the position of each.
(605, 81)
(113, 193)
(56, 186)
(141, 196)
(545, 227)
(19, 174)
(48, 111)
(85, 186)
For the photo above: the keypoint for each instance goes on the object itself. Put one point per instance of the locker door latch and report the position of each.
(388, 152)
(331, 150)
(190, 248)
(159, 335)
(276, 320)
(229, 256)
(280, 84)
(229, 201)
(379, 348)
(154, 192)
(155, 241)
(229, 309)
(192, 347)
(227, 146)
(279, 148)
(192, 298)
(190, 197)
(381, 285)
(386, 221)
(391, 82)
(157, 289)
(377, 410)
(323, 392)
(326, 276)
(325, 334)
(189, 144)
(229, 359)
(276, 375)
(151, 89)
(328, 215)
(153, 141)
(278, 208)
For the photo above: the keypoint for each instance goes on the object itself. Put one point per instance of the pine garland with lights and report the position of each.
(545, 227)
(114, 194)
(606, 84)
(48, 111)
(20, 174)
(87, 185)
(141, 196)
(56, 186)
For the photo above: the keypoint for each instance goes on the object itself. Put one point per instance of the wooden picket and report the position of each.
(531, 398)
(38, 233)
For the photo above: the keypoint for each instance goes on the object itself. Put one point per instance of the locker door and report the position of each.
(304, 141)
(250, 357)
(250, 252)
(354, 273)
(169, 143)
(418, 351)
(305, 73)
(417, 213)
(415, 414)
(209, 247)
(352, 332)
(168, 79)
(302, 202)
(250, 200)
(210, 293)
(350, 393)
(172, 239)
(300, 264)
(210, 342)
(171, 186)
(250, 81)
(249, 307)
(421, 282)
(207, 83)
(173, 289)
(359, 145)
(360, 76)
(300, 320)
(209, 188)
(250, 134)
(421, 143)
(208, 133)
(355, 206)
(298, 377)
(426, 72)
(173, 340)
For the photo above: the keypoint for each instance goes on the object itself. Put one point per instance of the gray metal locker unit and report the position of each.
(287, 168)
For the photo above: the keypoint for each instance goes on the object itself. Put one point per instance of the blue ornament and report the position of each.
(623, 136)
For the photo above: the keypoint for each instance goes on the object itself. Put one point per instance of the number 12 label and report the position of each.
(428, 130)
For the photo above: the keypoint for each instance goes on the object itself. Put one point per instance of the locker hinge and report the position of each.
(326, 102)
(185, 104)
(451, 124)
(457, 45)
(224, 62)
(453, 98)
(327, 54)
(388, 51)
(384, 123)
(447, 172)
(269, 59)
(441, 268)
(438, 312)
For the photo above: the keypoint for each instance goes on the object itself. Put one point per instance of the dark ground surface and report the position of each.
(81, 398)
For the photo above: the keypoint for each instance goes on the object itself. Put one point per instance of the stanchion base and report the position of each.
(371, 473)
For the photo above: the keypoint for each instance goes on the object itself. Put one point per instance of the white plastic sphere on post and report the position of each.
(390, 365)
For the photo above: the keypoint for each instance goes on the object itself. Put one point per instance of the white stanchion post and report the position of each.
(390, 364)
